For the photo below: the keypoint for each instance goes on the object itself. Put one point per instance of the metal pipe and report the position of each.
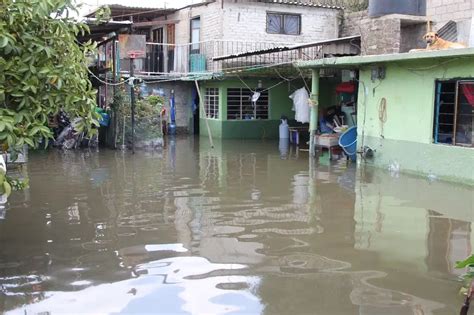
(201, 102)
(313, 123)
(132, 100)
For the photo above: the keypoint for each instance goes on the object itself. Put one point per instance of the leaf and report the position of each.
(33, 131)
(468, 262)
(7, 188)
(3, 42)
(30, 142)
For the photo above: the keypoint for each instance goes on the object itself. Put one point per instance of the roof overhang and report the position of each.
(123, 12)
(358, 61)
(99, 31)
(343, 40)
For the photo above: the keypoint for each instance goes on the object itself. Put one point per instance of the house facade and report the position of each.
(182, 45)
(415, 111)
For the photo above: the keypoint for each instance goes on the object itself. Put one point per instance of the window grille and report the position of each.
(211, 102)
(282, 23)
(241, 107)
(454, 113)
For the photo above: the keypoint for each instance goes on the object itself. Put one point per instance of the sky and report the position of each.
(90, 5)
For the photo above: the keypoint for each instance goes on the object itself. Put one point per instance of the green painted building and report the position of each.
(231, 114)
(415, 110)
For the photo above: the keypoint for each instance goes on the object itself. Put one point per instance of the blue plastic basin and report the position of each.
(348, 142)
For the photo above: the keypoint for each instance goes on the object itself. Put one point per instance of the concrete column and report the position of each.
(313, 123)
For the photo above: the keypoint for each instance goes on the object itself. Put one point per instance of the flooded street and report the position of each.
(238, 229)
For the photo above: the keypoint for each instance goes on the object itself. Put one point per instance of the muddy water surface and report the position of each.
(240, 229)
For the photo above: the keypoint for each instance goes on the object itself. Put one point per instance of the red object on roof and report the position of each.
(468, 91)
(346, 87)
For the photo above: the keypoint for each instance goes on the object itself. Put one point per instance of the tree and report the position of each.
(42, 69)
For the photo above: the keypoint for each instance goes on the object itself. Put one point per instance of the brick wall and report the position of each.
(247, 22)
(211, 22)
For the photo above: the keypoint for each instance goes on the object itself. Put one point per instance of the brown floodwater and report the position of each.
(244, 228)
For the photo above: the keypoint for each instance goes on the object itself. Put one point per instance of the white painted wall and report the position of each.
(211, 22)
(247, 22)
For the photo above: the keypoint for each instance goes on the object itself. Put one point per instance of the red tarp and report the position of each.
(346, 87)
(468, 91)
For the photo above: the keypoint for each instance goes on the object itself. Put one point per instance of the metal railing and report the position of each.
(168, 59)
(220, 56)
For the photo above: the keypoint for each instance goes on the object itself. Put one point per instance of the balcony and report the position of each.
(224, 57)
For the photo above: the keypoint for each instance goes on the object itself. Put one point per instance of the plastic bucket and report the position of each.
(348, 142)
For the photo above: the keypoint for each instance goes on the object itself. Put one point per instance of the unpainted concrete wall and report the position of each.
(183, 102)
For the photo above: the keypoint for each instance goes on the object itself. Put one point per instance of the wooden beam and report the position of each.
(154, 23)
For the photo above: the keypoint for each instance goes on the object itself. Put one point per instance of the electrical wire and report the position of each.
(304, 80)
(279, 74)
(108, 83)
(382, 115)
(267, 89)
(365, 111)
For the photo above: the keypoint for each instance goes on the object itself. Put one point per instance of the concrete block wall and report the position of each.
(460, 11)
(378, 35)
(442, 11)
(247, 22)
(182, 92)
(211, 22)
(241, 21)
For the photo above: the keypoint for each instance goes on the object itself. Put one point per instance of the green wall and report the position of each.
(280, 104)
(406, 138)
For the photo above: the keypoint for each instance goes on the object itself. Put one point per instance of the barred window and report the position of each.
(241, 107)
(454, 113)
(211, 103)
(281, 23)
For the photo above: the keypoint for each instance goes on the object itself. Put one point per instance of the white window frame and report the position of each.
(282, 23)
(211, 103)
(241, 100)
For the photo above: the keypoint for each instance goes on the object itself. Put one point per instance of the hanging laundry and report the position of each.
(301, 105)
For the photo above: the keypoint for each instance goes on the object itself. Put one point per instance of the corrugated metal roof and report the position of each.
(328, 42)
(348, 62)
(121, 11)
(449, 31)
(331, 4)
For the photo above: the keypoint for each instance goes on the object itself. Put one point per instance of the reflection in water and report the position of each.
(246, 227)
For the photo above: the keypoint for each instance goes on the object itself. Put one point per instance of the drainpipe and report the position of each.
(313, 123)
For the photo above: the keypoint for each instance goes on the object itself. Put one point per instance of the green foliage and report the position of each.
(103, 15)
(42, 69)
(7, 183)
(147, 117)
(468, 262)
(467, 277)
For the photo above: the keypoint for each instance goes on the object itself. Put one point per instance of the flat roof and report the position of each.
(341, 62)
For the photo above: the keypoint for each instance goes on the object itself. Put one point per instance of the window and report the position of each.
(241, 107)
(281, 23)
(211, 103)
(454, 112)
(195, 35)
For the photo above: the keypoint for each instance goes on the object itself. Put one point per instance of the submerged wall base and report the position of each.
(443, 162)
